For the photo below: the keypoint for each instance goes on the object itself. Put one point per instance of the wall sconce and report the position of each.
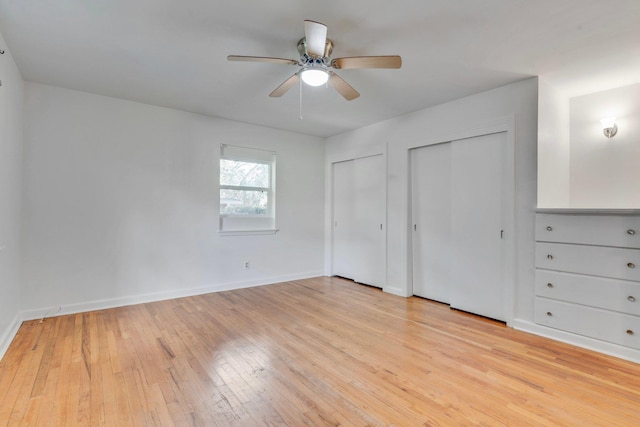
(609, 127)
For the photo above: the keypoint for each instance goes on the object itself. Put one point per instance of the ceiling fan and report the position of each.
(317, 67)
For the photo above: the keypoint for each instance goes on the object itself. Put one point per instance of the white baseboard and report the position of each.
(401, 292)
(578, 340)
(9, 334)
(163, 295)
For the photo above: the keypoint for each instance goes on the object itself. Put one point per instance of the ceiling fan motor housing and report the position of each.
(305, 58)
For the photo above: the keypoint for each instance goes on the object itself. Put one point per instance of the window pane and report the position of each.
(243, 202)
(246, 174)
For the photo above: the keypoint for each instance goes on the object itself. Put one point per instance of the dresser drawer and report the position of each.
(603, 230)
(611, 294)
(623, 329)
(602, 261)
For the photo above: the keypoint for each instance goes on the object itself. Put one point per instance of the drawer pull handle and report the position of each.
(549, 228)
(551, 257)
(631, 265)
(631, 232)
(629, 332)
(549, 285)
(549, 314)
(631, 298)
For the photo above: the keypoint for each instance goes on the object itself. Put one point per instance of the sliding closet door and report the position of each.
(431, 213)
(370, 220)
(477, 206)
(458, 206)
(343, 219)
(359, 220)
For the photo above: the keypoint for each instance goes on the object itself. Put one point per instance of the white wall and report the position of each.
(121, 204)
(554, 148)
(605, 172)
(516, 102)
(11, 93)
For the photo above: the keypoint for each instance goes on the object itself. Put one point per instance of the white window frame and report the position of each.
(242, 224)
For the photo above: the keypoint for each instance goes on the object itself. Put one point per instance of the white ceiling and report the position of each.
(173, 53)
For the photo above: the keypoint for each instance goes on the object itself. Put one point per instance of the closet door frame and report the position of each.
(505, 124)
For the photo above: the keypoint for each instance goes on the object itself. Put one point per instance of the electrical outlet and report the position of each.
(247, 265)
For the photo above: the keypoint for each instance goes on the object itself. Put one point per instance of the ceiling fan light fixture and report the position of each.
(317, 67)
(314, 76)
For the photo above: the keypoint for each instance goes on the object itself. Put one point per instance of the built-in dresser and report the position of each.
(587, 278)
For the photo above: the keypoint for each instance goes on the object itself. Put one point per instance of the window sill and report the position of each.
(247, 232)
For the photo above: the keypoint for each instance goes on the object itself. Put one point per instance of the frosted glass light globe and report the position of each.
(314, 76)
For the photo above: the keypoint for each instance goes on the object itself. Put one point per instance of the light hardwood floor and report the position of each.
(322, 351)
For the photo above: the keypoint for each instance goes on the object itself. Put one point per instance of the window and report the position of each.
(247, 191)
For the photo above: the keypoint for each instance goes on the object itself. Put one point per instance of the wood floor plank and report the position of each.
(321, 351)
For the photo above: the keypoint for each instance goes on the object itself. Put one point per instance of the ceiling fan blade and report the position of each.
(390, 61)
(343, 88)
(241, 58)
(316, 37)
(285, 86)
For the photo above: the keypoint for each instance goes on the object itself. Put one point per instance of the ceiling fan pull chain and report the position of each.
(300, 113)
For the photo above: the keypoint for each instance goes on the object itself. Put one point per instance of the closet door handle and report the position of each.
(549, 285)
(631, 298)
(549, 228)
(629, 331)
(631, 232)
(549, 256)
(631, 265)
